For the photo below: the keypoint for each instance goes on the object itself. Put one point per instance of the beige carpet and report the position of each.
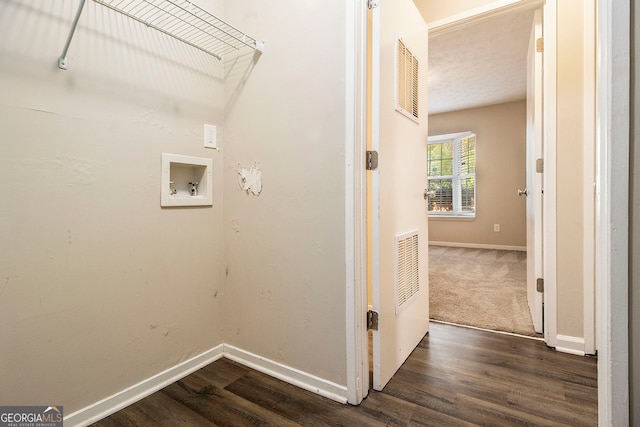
(480, 287)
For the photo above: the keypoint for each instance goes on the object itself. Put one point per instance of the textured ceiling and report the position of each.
(482, 63)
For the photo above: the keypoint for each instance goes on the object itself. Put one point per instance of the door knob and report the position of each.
(524, 192)
(428, 194)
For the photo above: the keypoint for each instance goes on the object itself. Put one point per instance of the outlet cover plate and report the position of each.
(210, 136)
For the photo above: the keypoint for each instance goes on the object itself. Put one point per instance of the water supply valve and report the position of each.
(193, 189)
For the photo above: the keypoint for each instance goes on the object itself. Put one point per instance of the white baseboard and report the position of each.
(571, 345)
(126, 397)
(288, 374)
(120, 400)
(479, 246)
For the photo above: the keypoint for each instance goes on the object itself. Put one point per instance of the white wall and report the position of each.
(285, 249)
(100, 288)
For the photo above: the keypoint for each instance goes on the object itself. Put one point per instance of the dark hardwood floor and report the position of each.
(456, 376)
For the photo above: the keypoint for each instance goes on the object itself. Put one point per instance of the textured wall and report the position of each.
(100, 287)
(285, 249)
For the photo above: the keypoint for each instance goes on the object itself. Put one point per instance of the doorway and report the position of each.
(612, 23)
(359, 361)
(479, 262)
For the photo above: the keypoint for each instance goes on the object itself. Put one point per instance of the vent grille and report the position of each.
(407, 273)
(407, 79)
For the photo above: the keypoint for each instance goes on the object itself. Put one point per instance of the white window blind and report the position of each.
(451, 163)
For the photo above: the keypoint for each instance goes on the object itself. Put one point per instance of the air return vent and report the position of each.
(407, 275)
(406, 82)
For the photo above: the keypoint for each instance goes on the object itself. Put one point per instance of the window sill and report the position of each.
(451, 217)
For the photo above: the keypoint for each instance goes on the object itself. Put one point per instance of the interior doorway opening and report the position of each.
(479, 266)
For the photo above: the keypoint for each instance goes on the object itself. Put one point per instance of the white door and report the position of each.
(398, 217)
(534, 174)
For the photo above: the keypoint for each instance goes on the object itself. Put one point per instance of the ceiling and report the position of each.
(481, 63)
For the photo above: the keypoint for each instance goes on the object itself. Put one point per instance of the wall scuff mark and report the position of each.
(7, 280)
(250, 180)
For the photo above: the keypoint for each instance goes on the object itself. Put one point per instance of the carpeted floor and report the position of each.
(480, 287)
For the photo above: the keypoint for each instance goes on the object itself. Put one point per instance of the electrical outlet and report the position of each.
(210, 136)
(496, 228)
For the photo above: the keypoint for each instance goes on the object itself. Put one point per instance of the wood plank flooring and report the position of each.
(455, 377)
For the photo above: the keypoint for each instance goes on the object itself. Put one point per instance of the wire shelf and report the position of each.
(182, 20)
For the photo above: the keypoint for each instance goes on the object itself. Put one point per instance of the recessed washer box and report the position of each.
(186, 181)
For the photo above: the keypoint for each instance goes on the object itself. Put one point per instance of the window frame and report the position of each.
(456, 177)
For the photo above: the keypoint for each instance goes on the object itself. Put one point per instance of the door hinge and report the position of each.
(372, 160)
(540, 44)
(372, 4)
(539, 165)
(372, 320)
(540, 284)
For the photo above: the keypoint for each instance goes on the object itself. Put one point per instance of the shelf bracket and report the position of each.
(62, 60)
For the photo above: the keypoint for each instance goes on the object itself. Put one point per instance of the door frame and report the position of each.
(549, 208)
(589, 179)
(356, 194)
(612, 204)
(534, 150)
(549, 135)
(357, 345)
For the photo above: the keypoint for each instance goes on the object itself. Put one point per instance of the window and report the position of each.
(451, 163)
(407, 82)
